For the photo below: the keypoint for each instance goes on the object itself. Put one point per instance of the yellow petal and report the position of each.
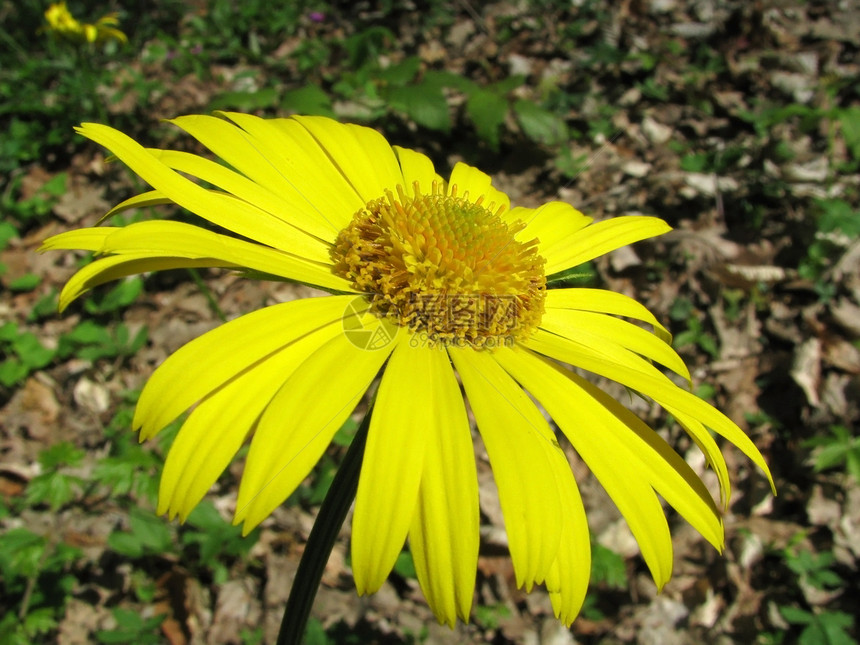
(291, 208)
(472, 184)
(639, 375)
(403, 429)
(667, 473)
(416, 167)
(162, 238)
(607, 302)
(589, 427)
(209, 361)
(361, 154)
(283, 156)
(219, 208)
(444, 535)
(119, 266)
(601, 330)
(567, 581)
(705, 441)
(84, 239)
(300, 422)
(554, 225)
(144, 200)
(218, 426)
(601, 238)
(519, 444)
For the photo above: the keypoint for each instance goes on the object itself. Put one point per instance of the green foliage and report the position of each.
(31, 563)
(91, 341)
(53, 486)
(837, 224)
(122, 294)
(490, 616)
(849, 119)
(37, 206)
(684, 311)
(821, 628)
(215, 540)
(132, 629)
(148, 534)
(812, 568)
(405, 566)
(315, 634)
(607, 567)
(24, 354)
(840, 448)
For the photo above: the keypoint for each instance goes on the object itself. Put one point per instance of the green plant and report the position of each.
(91, 341)
(210, 540)
(840, 448)
(37, 206)
(24, 354)
(607, 567)
(812, 568)
(132, 628)
(820, 628)
(37, 569)
(490, 616)
(836, 223)
(684, 311)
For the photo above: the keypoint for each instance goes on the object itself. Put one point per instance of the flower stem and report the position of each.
(331, 516)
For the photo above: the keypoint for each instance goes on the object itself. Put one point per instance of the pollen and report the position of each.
(447, 267)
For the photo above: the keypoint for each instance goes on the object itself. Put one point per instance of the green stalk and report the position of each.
(323, 535)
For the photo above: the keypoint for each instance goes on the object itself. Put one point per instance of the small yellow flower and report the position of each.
(63, 24)
(431, 279)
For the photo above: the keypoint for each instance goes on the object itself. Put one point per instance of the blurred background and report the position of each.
(738, 122)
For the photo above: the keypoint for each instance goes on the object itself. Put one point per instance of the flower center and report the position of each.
(444, 266)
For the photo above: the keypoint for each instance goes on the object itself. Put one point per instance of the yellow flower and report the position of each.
(63, 24)
(430, 279)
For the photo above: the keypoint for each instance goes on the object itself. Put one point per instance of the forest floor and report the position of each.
(737, 122)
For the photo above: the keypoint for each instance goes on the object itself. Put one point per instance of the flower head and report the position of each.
(63, 24)
(431, 279)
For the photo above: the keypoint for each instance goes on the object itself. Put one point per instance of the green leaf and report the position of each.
(64, 453)
(796, 616)
(487, 112)
(507, 85)
(7, 232)
(539, 124)
(404, 566)
(849, 119)
(838, 215)
(214, 536)
(88, 332)
(125, 544)
(31, 352)
(40, 621)
(828, 628)
(245, 101)
(8, 332)
(122, 295)
(20, 553)
(400, 73)
(12, 371)
(447, 79)
(132, 628)
(54, 488)
(151, 530)
(56, 185)
(424, 104)
(608, 567)
(308, 100)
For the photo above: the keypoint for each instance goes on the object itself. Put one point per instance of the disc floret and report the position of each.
(445, 266)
